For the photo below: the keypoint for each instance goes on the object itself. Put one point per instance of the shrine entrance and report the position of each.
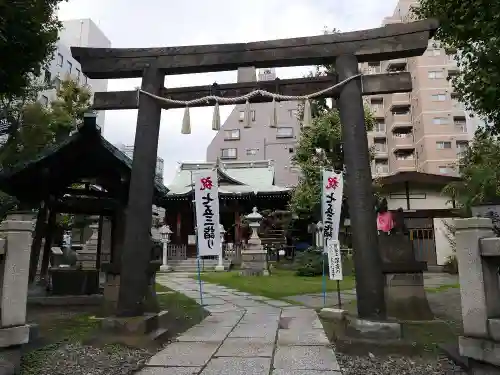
(345, 50)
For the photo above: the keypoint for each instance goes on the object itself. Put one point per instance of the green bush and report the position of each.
(310, 262)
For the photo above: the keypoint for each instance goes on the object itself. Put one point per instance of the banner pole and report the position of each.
(200, 284)
(338, 294)
(324, 282)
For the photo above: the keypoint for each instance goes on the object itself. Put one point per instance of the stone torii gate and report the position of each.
(346, 50)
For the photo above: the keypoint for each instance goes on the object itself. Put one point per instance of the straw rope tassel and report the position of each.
(216, 118)
(186, 122)
(274, 115)
(248, 114)
(307, 119)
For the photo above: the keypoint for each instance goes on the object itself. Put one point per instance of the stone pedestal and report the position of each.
(404, 291)
(14, 272)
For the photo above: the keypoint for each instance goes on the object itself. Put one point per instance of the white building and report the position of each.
(82, 33)
(129, 151)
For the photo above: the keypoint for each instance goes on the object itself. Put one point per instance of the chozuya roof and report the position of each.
(235, 177)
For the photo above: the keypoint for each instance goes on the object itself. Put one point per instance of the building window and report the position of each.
(434, 52)
(460, 124)
(228, 153)
(78, 74)
(85, 80)
(60, 59)
(379, 127)
(442, 145)
(252, 151)
(440, 121)
(241, 117)
(401, 111)
(284, 132)
(435, 74)
(57, 83)
(70, 67)
(373, 68)
(293, 113)
(44, 100)
(438, 97)
(377, 104)
(291, 150)
(232, 135)
(381, 167)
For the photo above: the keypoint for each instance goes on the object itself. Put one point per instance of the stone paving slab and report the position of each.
(267, 331)
(169, 371)
(263, 310)
(277, 303)
(240, 366)
(245, 347)
(302, 338)
(228, 319)
(206, 333)
(188, 354)
(305, 358)
(304, 372)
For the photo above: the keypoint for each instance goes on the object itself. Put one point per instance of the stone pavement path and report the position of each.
(244, 334)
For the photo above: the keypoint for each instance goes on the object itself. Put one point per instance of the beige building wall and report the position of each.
(424, 130)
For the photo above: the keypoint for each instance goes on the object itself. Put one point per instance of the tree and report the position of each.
(471, 28)
(37, 127)
(28, 34)
(480, 177)
(319, 145)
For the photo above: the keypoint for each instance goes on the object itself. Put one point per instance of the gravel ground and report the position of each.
(371, 365)
(77, 359)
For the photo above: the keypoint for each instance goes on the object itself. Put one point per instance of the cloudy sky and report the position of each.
(158, 23)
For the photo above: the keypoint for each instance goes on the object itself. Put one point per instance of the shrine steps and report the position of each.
(191, 265)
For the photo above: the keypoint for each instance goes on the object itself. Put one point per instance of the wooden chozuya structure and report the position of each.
(242, 186)
(83, 175)
(345, 50)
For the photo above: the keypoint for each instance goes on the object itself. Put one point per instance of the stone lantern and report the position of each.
(165, 234)
(254, 257)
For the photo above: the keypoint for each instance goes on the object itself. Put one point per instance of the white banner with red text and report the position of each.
(331, 205)
(206, 195)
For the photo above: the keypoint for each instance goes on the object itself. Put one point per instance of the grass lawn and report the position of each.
(442, 288)
(280, 284)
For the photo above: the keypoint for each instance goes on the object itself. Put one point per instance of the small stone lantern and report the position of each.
(165, 234)
(254, 257)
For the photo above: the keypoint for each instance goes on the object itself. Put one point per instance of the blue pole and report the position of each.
(199, 275)
(324, 282)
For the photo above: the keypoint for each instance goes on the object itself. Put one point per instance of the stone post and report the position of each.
(14, 266)
(220, 262)
(478, 255)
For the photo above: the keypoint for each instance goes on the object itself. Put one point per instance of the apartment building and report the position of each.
(78, 32)
(255, 140)
(424, 130)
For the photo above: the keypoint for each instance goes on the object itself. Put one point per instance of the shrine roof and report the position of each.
(84, 154)
(235, 177)
(417, 178)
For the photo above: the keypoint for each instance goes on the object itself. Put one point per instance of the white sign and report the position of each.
(206, 193)
(334, 260)
(331, 205)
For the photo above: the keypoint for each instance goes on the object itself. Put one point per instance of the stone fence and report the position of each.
(478, 255)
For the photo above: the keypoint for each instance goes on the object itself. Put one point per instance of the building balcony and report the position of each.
(380, 151)
(403, 141)
(402, 124)
(401, 165)
(378, 111)
(461, 127)
(396, 65)
(378, 132)
(400, 101)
